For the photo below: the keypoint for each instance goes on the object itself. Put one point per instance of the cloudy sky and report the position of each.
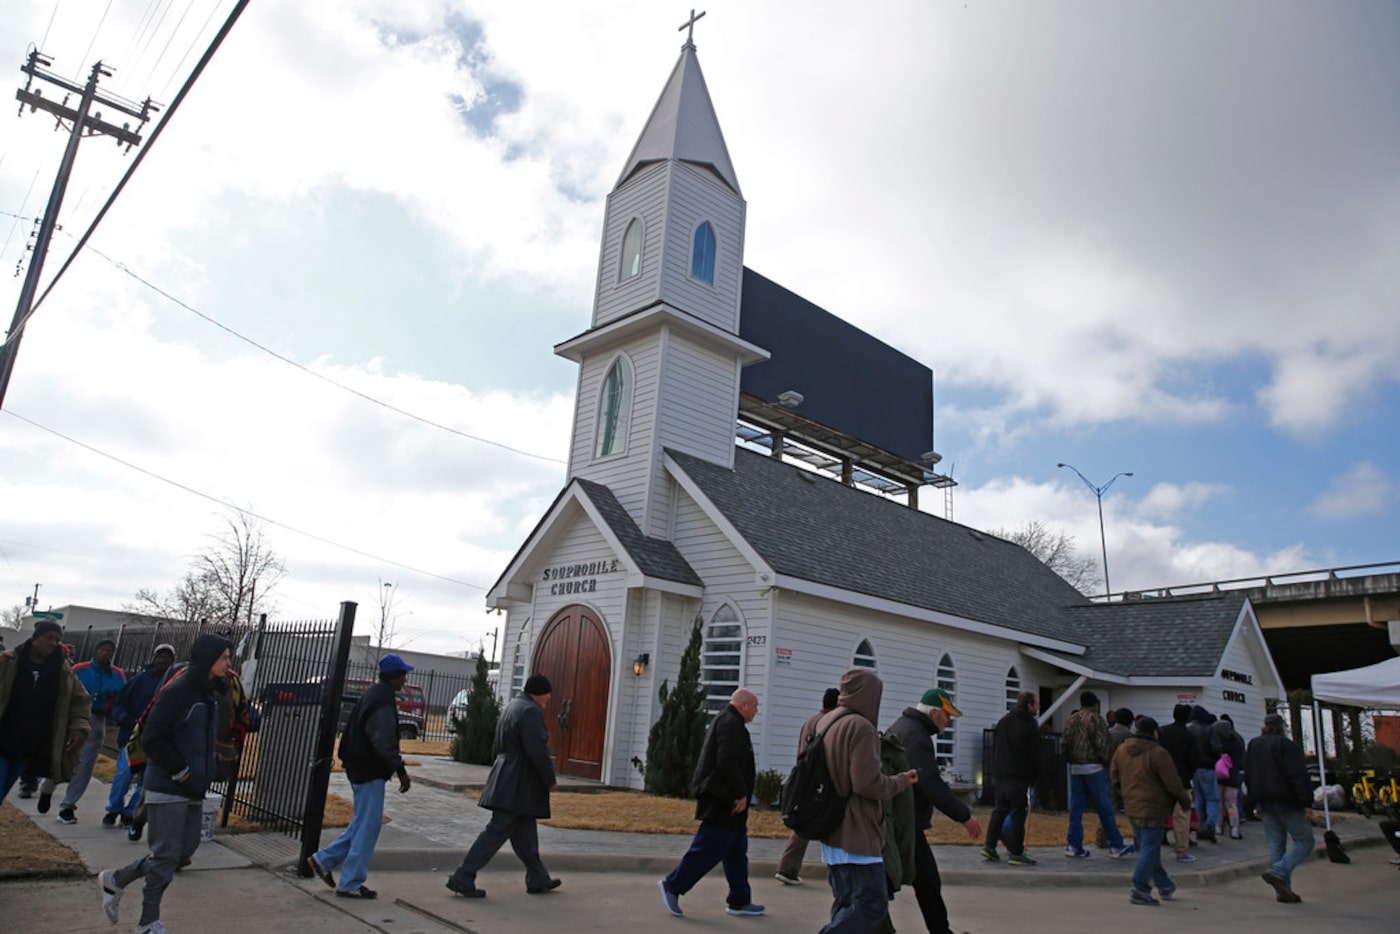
(1158, 237)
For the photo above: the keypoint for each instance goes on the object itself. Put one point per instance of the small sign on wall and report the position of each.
(782, 656)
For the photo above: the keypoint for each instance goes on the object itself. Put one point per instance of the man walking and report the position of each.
(1016, 765)
(915, 728)
(43, 709)
(103, 681)
(178, 738)
(723, 785)
(1085, 742)
(1176, 740)
(1144, 776)
(853, 853)
(1278, 778)
(516, 793)
(790, 863)
(369, 750)
(131, 703)
(1205, 787)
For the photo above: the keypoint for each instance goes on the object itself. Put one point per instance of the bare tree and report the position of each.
(229, 582)
(10, 617)
(1058, 552)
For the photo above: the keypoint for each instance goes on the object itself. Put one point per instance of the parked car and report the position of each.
(409, 700)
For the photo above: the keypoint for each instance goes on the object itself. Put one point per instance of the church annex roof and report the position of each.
(1171, 638)
(654, 557)
(814, 528)
(683, 126)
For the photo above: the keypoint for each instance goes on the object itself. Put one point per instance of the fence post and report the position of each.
(314, 812)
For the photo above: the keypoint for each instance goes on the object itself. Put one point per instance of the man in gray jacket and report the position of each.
(517, 793)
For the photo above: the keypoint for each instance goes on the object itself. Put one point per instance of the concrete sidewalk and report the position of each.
(610, 878)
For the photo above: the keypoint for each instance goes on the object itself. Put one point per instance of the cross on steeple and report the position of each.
(689, 26)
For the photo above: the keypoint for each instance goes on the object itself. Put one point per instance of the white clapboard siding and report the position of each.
(628, 471)
(644, 197)
(696, 196)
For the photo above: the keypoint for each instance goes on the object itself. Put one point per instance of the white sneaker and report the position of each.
(155, 927)
(111, 894)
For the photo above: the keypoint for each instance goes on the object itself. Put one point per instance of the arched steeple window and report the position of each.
(614, 406)
(631, 250)
(702, 254)
(865, 655)
(945, 744)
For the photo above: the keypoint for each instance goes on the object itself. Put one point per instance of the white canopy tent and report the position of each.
(1375, 685)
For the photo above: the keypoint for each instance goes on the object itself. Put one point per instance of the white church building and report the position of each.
(795, 574)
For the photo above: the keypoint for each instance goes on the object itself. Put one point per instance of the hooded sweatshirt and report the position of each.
(853, 758)
(1144, 775)
(182, 727)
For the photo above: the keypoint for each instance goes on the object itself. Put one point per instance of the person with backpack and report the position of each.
(723, 785)
(853, 852)
(131, 703)
(178, 738)
(915, 728)
(369, 750)
(790, 863)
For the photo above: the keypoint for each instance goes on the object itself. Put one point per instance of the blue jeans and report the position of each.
(713, 845)
(10, 771)
(1205, 788)
(1094, 788)
(355, 845)
(123, 782)
(1148, 871)
(1278, 827)
(860, 897)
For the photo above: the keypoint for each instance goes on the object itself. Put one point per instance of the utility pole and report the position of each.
(82, 124)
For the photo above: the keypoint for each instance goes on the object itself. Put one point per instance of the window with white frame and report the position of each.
(721, 657)
(632, 250)
(1013, 687)
(945, 744)
(614, 406)
(865, 655)
(519, 662)
(702, 254)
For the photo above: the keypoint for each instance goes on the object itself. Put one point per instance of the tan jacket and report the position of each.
(70, 718)
(853, 757)
(1144, 775)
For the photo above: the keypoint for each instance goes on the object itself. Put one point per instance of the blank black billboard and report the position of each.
(849, 380)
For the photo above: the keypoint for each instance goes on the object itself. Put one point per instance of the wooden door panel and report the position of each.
(573, 653)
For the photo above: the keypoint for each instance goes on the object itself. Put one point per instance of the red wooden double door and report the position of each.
(573, 654)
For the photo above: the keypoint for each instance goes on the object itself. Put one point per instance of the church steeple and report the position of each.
(683, 127)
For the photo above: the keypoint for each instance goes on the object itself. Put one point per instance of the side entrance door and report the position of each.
(573, 654)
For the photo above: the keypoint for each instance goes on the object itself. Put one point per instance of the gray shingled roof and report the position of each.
(814, 528)
(654, 557)
(1173, 638)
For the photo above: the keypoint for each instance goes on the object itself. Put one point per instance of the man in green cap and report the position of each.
(916, 728)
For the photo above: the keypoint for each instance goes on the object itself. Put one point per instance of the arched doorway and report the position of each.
(573, 654)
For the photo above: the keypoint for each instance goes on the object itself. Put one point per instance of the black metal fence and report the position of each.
(1051, 790)
(428, 702)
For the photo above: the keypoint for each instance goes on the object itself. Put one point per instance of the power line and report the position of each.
(321, 376)
(214, 499)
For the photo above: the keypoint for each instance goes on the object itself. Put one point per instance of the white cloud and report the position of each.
(1364, 490)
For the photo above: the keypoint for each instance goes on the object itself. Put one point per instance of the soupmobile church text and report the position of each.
(707, 396)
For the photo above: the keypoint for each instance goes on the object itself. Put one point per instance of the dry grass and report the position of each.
(29, 852)
(636, 812)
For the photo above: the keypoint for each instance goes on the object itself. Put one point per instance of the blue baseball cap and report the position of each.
(392, 664)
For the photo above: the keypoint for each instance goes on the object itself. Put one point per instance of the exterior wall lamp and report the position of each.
(639, 666)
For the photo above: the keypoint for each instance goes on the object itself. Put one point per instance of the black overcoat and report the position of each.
(523, 771)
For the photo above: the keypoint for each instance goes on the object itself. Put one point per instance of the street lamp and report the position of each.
(1098, 495)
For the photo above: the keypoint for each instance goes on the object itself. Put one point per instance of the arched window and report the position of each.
(519, 662)
(1013, 687)
(614, 405)
(702, 254)
(632, 250)
(945, 744)
(865, 655)
(721, 654)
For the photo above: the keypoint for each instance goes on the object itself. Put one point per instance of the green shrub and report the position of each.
(476, 728)
(767, 789)
(673, 746)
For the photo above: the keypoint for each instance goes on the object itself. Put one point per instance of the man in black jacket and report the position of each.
(369, 750)
(723, 785)
(178, 739)
(1279, 779)
(1016, 766)
(516, 793)
(1175, 738)
(915, 728)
